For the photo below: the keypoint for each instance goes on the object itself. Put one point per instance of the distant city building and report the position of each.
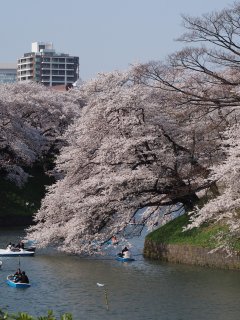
(8, 72)
(46, 66)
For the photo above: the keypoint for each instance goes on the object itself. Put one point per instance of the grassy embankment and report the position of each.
(204, 236)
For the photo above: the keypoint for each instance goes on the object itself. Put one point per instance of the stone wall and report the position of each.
(188, 254)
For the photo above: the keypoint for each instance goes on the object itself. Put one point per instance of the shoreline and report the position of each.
(189, 254)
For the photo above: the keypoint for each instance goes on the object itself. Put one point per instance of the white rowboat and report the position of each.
(16, 253)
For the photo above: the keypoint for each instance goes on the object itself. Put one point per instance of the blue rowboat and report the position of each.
(11, 283)
(124, 259)
(110, 242)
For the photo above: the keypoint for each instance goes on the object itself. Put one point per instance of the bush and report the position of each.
(25, 316)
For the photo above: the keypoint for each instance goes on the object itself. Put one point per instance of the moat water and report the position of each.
(140, 290)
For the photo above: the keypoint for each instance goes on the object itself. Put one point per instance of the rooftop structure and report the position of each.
(43, 64)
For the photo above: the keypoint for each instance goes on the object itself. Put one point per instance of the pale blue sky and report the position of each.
(107, 35)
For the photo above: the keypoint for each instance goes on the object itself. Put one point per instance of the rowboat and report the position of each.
(11, 283)
(16, 253)
(124, 259)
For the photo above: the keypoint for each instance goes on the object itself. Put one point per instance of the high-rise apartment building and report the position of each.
(46, 66)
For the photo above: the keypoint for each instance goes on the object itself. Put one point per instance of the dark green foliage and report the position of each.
(19, 204)
(25, 316)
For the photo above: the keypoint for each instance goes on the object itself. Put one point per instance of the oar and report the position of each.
(106, 298)
(19, 266)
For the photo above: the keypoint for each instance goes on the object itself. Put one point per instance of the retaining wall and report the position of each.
(187, 254)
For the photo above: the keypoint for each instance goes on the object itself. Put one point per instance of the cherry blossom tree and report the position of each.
(221, 64)
(152, 137)
(215, 87)
(128, 150)
(32, 120)
(224, 208)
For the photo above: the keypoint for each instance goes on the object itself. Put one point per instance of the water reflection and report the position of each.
(142, 289)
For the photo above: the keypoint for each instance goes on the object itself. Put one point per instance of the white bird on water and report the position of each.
(100, 284)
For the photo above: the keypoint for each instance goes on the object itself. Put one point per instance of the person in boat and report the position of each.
(114, 240)
(10, 246)
(123, 253)
(20, 245)
(24, 278)
(17, 275)
(126, 254)
(125, 249)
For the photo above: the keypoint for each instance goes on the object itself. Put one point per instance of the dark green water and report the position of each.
(139, 290)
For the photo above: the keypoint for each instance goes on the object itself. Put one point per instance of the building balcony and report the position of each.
(26, 69)
(25, 75)
(25, 61)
